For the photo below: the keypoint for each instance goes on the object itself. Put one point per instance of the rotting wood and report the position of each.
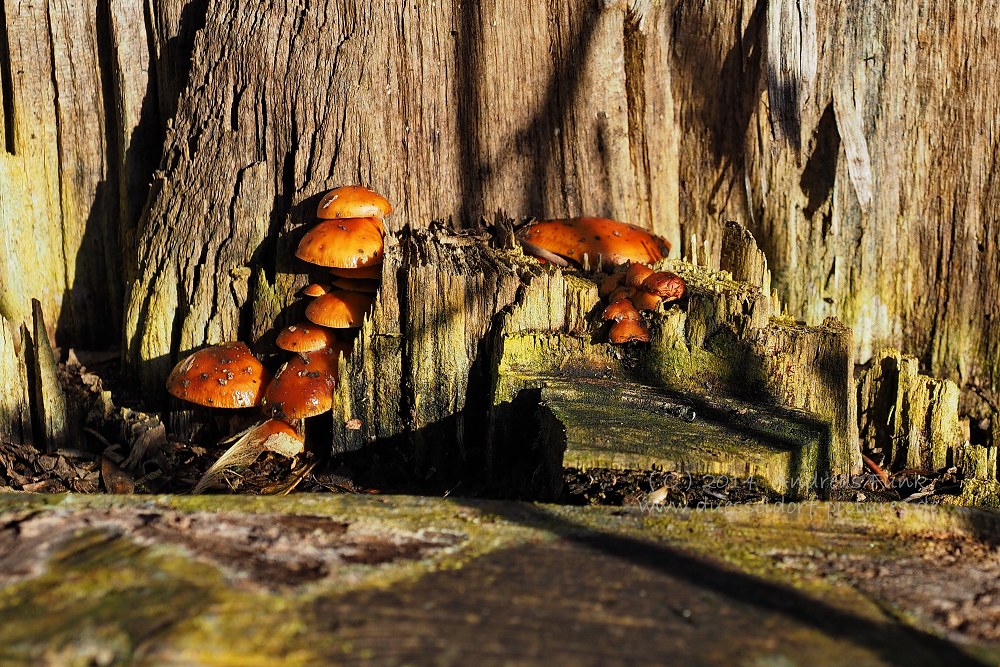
(420, 369)
(173, 579)
(834, 131)
(448, 341)
(60, 242)
(908, 420)
(251, 143)
(720, 344)
(15, 406)
(49, 401)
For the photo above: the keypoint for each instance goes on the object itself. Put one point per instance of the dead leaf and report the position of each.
(115, 480)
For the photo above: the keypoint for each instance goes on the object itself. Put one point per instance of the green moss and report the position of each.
(979, 493)
(103, 597)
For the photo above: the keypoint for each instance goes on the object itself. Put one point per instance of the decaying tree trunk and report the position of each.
(447, 109)
(190, 137)
(857, 141)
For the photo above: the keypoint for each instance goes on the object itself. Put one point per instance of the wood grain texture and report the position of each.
(908, 420)
(60, 242)
(446, 109)
(857, 142)
(15, 407)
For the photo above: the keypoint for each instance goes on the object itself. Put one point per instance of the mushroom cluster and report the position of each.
(632, 288)
(347, 239)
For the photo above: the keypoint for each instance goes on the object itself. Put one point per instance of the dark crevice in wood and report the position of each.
(6, 85)
(634, 42)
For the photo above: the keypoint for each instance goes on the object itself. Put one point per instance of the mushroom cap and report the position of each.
(344, 243)
(339, 310)
(305, 337)
(303, 386)
(610, 284)
(352, 201)
(316, 289)
(615, 242)
(644, 301)
(668, 286)
(221, 376)
(371, 272)
(357, 285)
(620, 310)
(637, 273)
(627, 331)
(623, 292)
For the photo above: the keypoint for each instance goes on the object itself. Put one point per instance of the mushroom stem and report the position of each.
(537, 251)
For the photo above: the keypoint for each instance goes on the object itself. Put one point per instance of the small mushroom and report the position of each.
(610, 284)
(627, 331)
(346, 243)
(352, 201)
(305, 337)
(622, 292)
(620, 310)
(339, 310)
(221, 376)
(636, 273)
(645, 302)
(316, 289)
(668, 286)
(303, 386)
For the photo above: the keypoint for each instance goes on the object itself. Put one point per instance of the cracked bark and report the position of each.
(671, 115)
(414, 101)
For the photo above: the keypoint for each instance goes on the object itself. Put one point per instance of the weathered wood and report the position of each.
(340, 578)
(257, 133)
(420, 370)
(883, 214)
(908, 420)
(15, 406)
(49, 402)
(60, 241)
(834, 130)
(721, 344)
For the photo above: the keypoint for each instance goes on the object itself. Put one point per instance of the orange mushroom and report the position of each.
(644, 301)
(373, 272)
(620, 310)
(347, 243)
(610, 284)
(303, 387)
(316, 289)
(339, 310)
(627, 331)
(612, 241)
(222, 376)
(305, 337)
(621, 293)
(637, 273)
(668, 286)
(352, 201)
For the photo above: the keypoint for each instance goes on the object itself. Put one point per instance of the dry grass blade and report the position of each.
(272, 435)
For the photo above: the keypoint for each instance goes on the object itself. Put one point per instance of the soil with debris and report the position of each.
(121, 449)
